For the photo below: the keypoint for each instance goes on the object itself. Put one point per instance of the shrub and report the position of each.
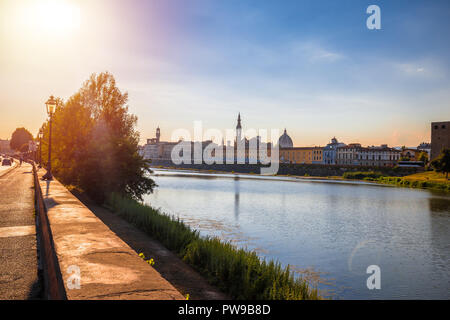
(358, 175)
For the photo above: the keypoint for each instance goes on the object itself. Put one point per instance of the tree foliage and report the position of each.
(423, 156)
(20, 137)
(442, 162)
(95, 144)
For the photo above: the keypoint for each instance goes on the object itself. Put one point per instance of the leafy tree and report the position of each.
(95, 143)
(442, 162)
(423, 156)
(20, 137)
(24, 147)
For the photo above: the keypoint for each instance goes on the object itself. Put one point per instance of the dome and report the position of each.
(285, 141)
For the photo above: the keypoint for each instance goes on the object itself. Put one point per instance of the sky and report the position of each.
(310, 66)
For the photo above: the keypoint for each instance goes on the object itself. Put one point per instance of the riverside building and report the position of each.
(374, 156)
(440, 138)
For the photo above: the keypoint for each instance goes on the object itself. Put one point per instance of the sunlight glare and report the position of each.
(51, 17)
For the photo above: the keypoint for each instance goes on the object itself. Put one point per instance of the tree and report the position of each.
(24, 148)
(95, 143)
(423, 156)
(20, 137)
(442, 162)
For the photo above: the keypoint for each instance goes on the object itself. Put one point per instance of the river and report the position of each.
(328, 231)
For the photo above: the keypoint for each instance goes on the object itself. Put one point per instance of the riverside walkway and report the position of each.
(18, 248)
(94, 262)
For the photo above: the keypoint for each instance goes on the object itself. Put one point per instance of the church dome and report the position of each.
(285, 141)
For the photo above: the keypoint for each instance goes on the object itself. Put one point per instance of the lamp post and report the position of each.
(40, 146)
(51, 106)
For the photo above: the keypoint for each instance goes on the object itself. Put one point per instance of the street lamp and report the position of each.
(41, 132)
(51, 106)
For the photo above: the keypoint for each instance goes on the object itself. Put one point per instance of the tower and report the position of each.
(239, 128)
(158, 135)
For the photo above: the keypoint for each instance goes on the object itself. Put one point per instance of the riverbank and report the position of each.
(423, 180)
(177, 272)
(239, 273)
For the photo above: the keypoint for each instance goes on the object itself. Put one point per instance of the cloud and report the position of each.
(420, 69)
(316, 53)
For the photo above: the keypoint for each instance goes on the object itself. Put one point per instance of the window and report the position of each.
(443, 126)
(435, 127)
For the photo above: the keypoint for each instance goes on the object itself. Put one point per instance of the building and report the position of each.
(374, 156)
(285, 141)
(301, 155)
(317, 155)
(157, 149)
(425, 147)
(252, 146)
(440, 138)
(4, 146)
(329, 151)
(410, 154)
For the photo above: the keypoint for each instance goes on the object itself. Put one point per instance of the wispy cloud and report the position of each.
(316, 53)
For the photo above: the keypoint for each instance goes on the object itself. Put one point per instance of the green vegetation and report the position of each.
(238, 272)
(442, 162)
(358, 175)
(428, 179)
(95, 144)
(19, 139)
(411, 183)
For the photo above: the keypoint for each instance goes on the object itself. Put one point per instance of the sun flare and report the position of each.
(50, 17)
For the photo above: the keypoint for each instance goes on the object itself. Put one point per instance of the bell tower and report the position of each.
(158, 135)
(239, 128)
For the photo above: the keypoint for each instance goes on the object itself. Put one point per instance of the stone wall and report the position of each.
(314, 170)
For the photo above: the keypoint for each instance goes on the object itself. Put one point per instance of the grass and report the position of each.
(430, 176)
(238, 272)
(358, 175)
(425, 180)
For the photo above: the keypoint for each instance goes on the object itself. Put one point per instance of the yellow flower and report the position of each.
(187, 296)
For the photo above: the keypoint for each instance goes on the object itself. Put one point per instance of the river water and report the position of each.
(328, 231)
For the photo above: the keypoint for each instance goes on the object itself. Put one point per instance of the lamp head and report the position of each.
(51, 105)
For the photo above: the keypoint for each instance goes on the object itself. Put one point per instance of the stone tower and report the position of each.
(158, 135)
(239, 128)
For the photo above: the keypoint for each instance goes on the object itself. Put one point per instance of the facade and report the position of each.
(252, 146)
(426, 147)
(440, 138)
(330, 150)
(4, 146)
(301, 155)
(317, 155)
(157, 149)
(374, 156)
(411, 154)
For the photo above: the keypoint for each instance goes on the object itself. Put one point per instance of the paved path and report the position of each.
(94, 262)
(18, 248)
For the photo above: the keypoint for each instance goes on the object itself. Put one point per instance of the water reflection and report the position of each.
(236, 198)
(314, 225)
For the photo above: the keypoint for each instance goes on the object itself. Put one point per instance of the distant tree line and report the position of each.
(95, 143)
(442, 162)
(19, 139)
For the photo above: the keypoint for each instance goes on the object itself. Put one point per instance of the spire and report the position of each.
(158, 134)
(239, 122)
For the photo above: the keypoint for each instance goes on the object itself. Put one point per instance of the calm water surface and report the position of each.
(330, 230)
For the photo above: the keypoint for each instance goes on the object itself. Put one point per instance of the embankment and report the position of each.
(313, 170)
(239, 273)
(83, 258)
